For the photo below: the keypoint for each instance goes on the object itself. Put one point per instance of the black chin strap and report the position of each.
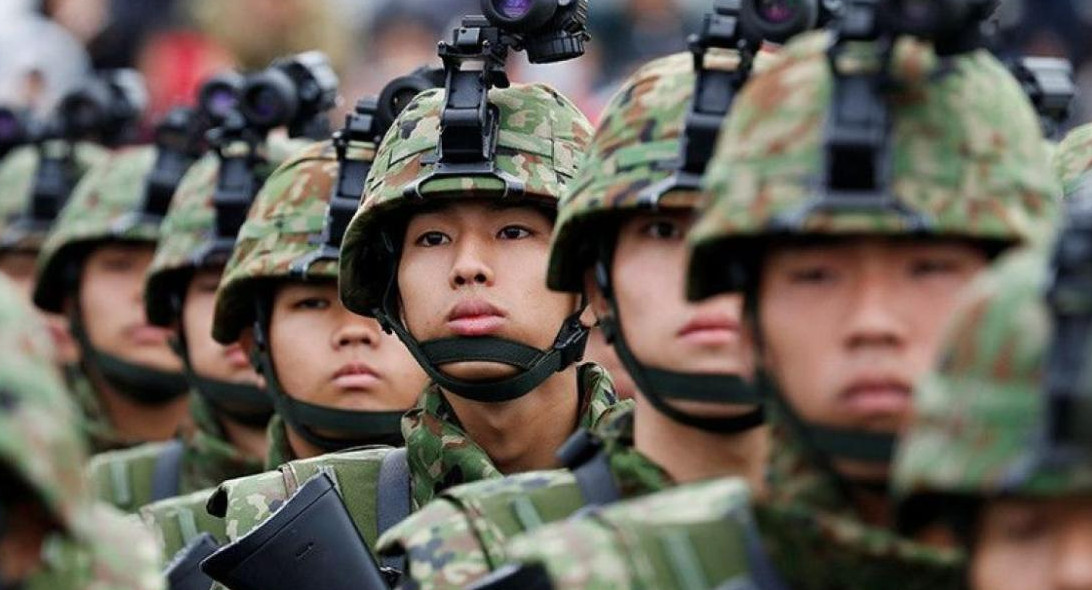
(242, 402)
(143, 385)
(661, 386)
(358, 427)
(533, 365)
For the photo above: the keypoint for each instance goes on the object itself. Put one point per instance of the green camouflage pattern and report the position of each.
(288, 213)
(689, 537)
(126, 478)
(190, 225)
(441, 454)
(99, 432)
(1073, 158)
(977, 417)
(636, 146)
(176, 521)
(17, 171)
(104, 207)
(967, 150)
(39, 438)
(541, 136)
(280, 451)
(461, 535)
(122, 555)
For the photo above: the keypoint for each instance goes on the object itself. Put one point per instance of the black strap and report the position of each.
(585, 455)
(166, 479)
(393, 501)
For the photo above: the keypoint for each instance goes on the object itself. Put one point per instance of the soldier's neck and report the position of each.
(523, 434)
(136, 422)
(250, 442)
(301, 449)
(689, 454)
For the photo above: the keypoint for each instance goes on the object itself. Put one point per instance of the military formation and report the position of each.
(842, 250)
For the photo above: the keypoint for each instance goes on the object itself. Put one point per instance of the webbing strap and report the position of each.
(166, 479)
(393, 501)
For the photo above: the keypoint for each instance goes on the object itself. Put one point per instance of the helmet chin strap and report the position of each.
(661, 387)
(141, 384)
(533, 366)
(244, 403)
(354, 427)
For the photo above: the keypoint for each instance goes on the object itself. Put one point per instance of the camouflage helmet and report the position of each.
(541, 136)
(189, 226)
(104, 207)
(1073, 158)
(39, 434)
(17, 177)
(967, 159)
(282, 227)
(978, 418)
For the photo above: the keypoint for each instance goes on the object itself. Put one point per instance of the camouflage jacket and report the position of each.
(246, 502)
(202, 457)
(100, 433)
(441, 454)
(176, 521)
(460, 536)
(122, 556)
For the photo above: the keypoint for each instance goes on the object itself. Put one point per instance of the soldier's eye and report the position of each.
(432, 238)
(312, 303)
(933, 267)
(662, 229)
(514, 232)
(814, 275)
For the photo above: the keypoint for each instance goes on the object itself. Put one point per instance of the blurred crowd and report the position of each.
(46, 44)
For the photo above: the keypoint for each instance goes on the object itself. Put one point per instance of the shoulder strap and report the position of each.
(585, 455)
(166, 479)
(393, 501)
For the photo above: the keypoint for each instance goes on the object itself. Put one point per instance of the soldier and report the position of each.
(230, 412)
(620, 237)
(43, 498)
(94, 261)
(455, 265)
(847, 305)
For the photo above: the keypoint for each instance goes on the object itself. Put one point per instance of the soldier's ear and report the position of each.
(597, 302)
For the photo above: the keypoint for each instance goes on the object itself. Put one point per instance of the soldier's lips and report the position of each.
(147, 335)
(356, 376)
(475, 318)
(236, 357)
(877, 397)
(711, 329)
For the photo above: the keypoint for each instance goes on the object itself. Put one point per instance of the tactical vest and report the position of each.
(179, 520)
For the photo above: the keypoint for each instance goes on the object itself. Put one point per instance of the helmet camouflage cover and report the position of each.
(40, 439)
(541, 136)
(189, 226)
(968, 158)
(978, 418)
(104, 207)
(283, 225)
(1073, 158)
(17, 174)
(635, 149)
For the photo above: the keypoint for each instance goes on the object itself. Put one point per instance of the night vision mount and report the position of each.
(474, 60)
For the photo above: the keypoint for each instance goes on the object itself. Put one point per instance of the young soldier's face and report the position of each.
(847, 328)
(19, 268)
(326, 355)
(474, 269)
(662, 329)
(1041, 544)
(209, 358)
(112, 307)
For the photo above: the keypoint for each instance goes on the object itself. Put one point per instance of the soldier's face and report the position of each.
(848, 327)
(474, 269)
(209, 358)
(662, 329)
(326, 355)
(1044, 544)
(19, 267)
(112, 307)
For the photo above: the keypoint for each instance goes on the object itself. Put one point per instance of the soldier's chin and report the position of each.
(478, 371)
(861, 472)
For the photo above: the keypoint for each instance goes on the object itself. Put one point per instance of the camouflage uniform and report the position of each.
(17, 177)
(1073, 158)
(205, 457)
(40, 445)
(461, 535)
(105, 207)
(967, 159)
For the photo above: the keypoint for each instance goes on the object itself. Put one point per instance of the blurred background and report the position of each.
(46, 45)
